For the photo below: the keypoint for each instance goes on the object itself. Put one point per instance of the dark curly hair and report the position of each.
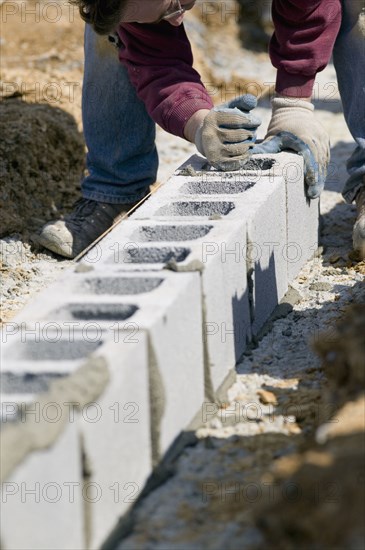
(103, 15)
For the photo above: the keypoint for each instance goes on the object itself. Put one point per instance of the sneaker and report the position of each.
(358, 234)
(80, 228)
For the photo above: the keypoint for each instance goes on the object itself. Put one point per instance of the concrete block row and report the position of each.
(150, 330)
(168, 300)
(72, 320)
(213, 251)
(223, 187)
(244, 222)
(281, 223)
(87, 459)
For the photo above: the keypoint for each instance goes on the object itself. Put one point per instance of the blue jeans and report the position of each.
(349, 61)
(122, 158)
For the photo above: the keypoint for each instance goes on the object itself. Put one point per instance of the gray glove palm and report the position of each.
(228, 133)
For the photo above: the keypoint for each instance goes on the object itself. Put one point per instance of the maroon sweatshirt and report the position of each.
(159, 59)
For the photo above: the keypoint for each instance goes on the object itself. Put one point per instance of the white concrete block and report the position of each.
(116, 437)
(302, 215)
(266, 264)
(42, 505)
(219, 188)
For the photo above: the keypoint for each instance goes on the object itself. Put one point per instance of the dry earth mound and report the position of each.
(321, 491)
(41, 158)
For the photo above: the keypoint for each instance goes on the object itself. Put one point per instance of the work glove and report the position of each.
(228, 132)
(294, 127)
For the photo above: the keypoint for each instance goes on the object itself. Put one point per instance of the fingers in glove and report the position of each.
(245, 102)
(234, 118)
(314, 191)
(314, 174)
(268, 146)
(235, 150)
(283, 141)
(235, 135)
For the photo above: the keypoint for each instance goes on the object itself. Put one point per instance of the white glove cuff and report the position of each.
(280, 102)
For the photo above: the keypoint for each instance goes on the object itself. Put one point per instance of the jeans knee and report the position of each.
(354, 16)
(361, 22)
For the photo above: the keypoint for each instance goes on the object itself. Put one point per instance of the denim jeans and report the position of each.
(122, 158)
(349, 61)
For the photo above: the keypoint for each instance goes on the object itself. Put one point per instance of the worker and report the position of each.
(149, 79)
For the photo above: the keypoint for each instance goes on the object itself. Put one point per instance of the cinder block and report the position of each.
(116, 436)
(266, 263)
(114, 427)
(302, 215)
(262, 208)
(171, 315)
(41, 501)
(262, 215)
(216, 250)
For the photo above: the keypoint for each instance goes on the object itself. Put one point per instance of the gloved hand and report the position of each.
(293, 126)
(228, 132)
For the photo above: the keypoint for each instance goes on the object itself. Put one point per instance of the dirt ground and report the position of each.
(42, 148)
(42, 160)
(320, 497)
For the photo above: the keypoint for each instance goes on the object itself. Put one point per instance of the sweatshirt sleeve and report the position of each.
(302, 44)
(159, 62)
